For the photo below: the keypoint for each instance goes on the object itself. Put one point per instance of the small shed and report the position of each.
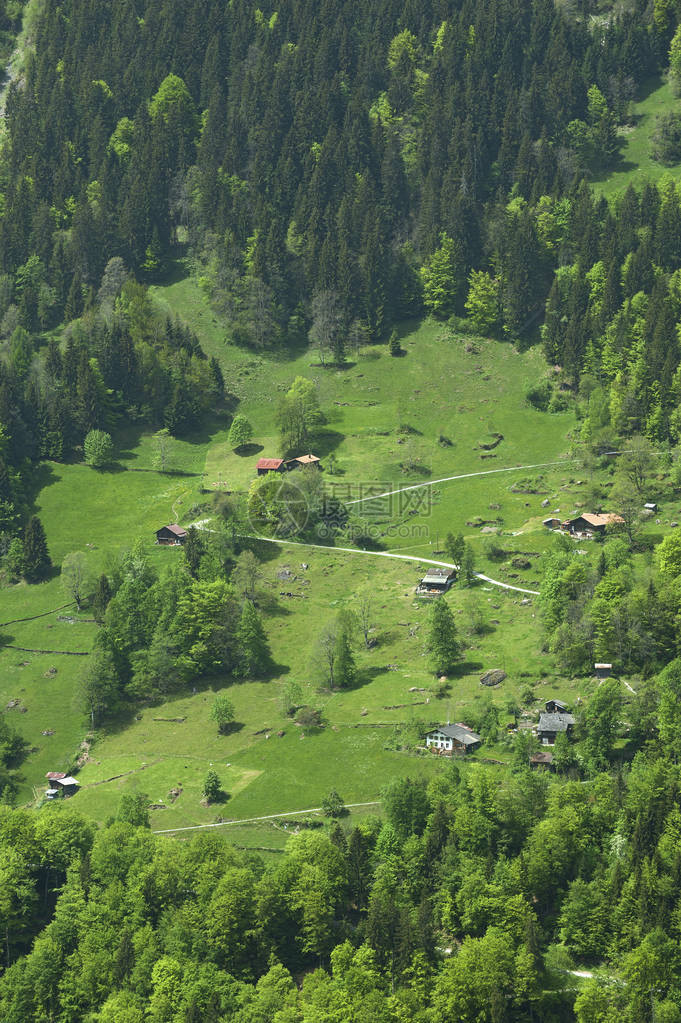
(556, 707)
(449, 739)
(266, 465)
(436, 581)
(602, 670)
(171, 536)
(552, 522)
(541, 761)
(304, 462)
(650, 506)
(550, 725)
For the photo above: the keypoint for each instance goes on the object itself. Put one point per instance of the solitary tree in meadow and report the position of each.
(222, 713)
(77, 577)
(240, 432)
(443, 645)
(212, 787)
(98, 448)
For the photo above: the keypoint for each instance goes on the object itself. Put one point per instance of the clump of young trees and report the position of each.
(162, 633)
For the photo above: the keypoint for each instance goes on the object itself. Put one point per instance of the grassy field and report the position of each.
(635, 165)
(480, 392)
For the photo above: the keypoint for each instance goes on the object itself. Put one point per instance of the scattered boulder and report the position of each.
(493, 678)
(545, 503)
(520, 562)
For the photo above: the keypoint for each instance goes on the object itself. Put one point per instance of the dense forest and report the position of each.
(524, 877)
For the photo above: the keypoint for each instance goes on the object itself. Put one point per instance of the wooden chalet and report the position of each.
(304, 462)
(590, 523)
(449, 739)
(267, 465)
(171, 536)
(602, 670)
(551, 725)
(61, 785)
(436, 581)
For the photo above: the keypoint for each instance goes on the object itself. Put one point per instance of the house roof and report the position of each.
(174, 528)
(555, 722)
(462, 733)
(605, 519)
(55, 775)
(541, 758)
(438, 575)
(306, 459)
(67, 780)
(558, 703)
(270, 463)
(602, 665)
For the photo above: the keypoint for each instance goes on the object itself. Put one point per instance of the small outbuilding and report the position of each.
(602, 670)
(541, 761)
(171, 536)
(556, 707)
(650, 506)
(266, 465)
(550, 725)
(449, 739)
(552, 522)
(304, 462)
(436, 581)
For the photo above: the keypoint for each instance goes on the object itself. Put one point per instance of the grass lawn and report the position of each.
(479, 395)
(635, 165)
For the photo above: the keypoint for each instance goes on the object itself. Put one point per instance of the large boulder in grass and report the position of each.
(493, 678)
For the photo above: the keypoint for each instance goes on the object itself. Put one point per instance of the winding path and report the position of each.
(253, 820)
(463, 476)
(387, 554)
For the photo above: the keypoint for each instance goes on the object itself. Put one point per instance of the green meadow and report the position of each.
(267, 764)
(635, 164)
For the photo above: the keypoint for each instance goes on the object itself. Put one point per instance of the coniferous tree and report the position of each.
(345, 671)
(37, 563)
(254, 652)
(101, 598)
(443, 644)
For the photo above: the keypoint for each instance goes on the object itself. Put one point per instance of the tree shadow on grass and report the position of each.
(233, 728)
(271, 606)
(326, 441)
(248, 450)
(41, 476)
(465, 668)
(365, 676)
